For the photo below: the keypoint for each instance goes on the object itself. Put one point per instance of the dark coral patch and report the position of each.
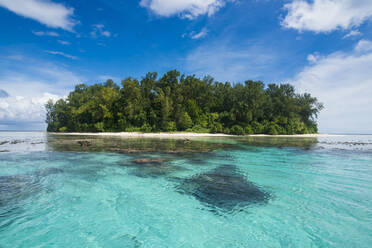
(223, 188)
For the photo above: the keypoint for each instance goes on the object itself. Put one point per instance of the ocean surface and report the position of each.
(58, 191)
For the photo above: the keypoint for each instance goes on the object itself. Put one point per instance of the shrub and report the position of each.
(198, 129)
(99, 127)
(62, 129)
(273, 128)
(133, 129)
(185, 121)
(257, 127)
(248, 130)
(146, 128)
(237, 130)
(171, 126)
(295, 126)
(217, 128)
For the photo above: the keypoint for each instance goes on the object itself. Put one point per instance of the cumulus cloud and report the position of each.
(189, 9)
(199, 35)
(29, 85)
(99, 30)
(24, 109)
(313, 58)
(51, 14)
(343, 82)
(364, 46)
(326, 15)
(352, 33)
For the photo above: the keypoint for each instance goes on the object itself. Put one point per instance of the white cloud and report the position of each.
(189, 9)
(51, 14)
(352, 33)
(29, 85)
(63, 42)
(43, 33)
(364, 46)
(326, 15)
(343, 82)
(62, 54)
(32, 78)
(199, 35)
(313, 58)
(99, 30)
(25, 109)
(3, 94)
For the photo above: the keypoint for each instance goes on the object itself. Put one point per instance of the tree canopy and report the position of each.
(176, 102)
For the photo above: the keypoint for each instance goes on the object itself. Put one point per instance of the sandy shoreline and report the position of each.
(189, 135)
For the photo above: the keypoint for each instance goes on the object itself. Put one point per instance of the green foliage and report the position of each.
(177, 102)
(217, 128)
(258, 128)
(133, 129)
(62, 129)
(248, 130)
(99, 126)
(237, 130)
(273, 128)
(198, 129)
(146, 128)
(185, 121)
(171, 126)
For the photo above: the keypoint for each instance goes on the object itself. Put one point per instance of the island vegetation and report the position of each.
(176, 102)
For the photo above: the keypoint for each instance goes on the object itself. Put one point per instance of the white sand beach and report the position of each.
(189, 135)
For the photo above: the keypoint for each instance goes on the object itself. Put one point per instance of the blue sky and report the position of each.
(321, 46)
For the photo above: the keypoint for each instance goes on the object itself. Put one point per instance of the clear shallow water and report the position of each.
(296, 192)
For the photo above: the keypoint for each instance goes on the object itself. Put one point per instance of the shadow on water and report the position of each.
(223, 188)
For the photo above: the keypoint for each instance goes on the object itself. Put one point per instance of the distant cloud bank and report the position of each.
(24, 109)
(342, 81)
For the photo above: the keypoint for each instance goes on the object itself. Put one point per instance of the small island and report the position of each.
(176, 102)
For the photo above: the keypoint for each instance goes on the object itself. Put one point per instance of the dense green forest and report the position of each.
(177, 102)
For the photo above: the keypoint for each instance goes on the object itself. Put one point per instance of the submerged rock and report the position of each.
(37, 143)
(15, 188)
(14, 142)
(149, 167)
(223, 188)
(132, 150)
(150, 161)
(153, 171)
(84, 143)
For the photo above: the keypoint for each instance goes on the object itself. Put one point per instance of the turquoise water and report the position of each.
(243, 192)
